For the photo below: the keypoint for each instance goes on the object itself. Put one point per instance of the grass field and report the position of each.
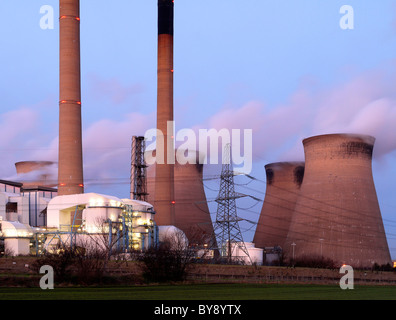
(204, 292)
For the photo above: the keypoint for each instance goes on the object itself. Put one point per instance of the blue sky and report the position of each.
(284, 68)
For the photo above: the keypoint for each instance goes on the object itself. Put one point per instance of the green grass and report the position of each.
(204, 291)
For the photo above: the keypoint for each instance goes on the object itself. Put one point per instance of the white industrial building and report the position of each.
(237, 254)
(35, 219)
(90, 219)
(21, 210)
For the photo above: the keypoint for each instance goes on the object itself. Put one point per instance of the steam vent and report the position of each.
(284, 180)
(337, 214)
(192, 214)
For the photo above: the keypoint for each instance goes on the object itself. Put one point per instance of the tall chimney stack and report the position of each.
(70, 164)
(164, 181)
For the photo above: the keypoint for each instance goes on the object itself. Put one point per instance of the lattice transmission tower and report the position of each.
(226, 227)
(138, 169)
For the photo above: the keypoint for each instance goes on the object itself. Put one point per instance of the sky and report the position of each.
(283, 68)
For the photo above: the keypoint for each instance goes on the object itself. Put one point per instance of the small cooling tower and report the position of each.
(337, 214)
(192, 214)
(283, 185)
(37, 173)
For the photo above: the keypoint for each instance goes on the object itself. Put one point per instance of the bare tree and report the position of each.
(200, 242)
(169, 261)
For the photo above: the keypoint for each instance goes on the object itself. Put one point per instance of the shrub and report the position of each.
(314, 262)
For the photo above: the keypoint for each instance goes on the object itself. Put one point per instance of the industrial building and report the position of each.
(252, 256)
(90, 216)
(74, 219)
(21, 210)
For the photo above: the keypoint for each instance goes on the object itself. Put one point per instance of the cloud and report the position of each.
(16, 124)
(107, 145)
(365, 104)
(16, 128)
(112, 89)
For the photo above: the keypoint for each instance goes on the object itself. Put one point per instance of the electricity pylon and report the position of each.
(226, 227)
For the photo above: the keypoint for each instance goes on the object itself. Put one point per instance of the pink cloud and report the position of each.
(364, 105)
(113, 89)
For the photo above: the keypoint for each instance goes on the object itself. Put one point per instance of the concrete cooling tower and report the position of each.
(337, 214)
(37, 173)
(192, 214)
(284, 180)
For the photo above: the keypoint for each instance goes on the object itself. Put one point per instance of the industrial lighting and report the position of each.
(73, 17)
(70, 101)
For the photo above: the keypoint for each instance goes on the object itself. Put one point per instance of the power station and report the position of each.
(323, 206)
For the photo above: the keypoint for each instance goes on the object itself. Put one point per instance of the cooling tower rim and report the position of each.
(284, 164)
(366, 138)
(43, 162)
(199, 155)
(33, 165)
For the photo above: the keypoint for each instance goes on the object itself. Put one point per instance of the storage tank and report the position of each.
(284, 180)
(337, 214)
(192, 214)
(175, 237)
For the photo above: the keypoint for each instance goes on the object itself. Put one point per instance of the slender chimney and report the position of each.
(164, 181)
(70, 169)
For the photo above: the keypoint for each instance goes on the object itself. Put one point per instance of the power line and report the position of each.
(226, 227)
